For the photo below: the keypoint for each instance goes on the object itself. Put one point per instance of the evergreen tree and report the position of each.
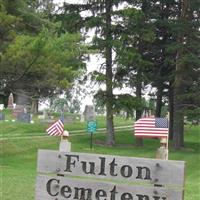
(101, 20)
(134, 36)
(187, 65)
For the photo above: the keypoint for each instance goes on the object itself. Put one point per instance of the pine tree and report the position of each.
(133, 38)
(101, 20)
(187, 65)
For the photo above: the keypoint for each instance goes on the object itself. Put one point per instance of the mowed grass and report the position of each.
(9, 128)
(18, 157)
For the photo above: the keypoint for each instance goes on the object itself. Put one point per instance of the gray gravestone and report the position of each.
(2, 116)
(89, 113)
(24, 117)
(18, 110)
(45, 114)
(69, 119)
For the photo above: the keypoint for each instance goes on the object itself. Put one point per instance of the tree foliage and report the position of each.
(141, 43)
(41, 62)
(42, 65)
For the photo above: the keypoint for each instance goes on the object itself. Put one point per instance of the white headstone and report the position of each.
(82, 118)
(45, 114)
(1, 106)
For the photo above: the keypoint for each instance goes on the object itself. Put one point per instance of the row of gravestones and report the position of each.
(21, 117)
(88, 115)
(18, 111)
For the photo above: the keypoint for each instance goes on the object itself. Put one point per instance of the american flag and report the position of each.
(151, 127)
(56, 129)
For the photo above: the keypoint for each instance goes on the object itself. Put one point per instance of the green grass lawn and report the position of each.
(18, 157)
(23, 129)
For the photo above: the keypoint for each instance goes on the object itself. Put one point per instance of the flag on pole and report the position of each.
(151, 127)
(56, 129)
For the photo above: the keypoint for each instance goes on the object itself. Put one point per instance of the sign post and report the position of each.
(91, 128)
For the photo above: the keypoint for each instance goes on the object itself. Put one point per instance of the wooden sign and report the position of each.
(51, 188)
(138, 175)
(151, 171)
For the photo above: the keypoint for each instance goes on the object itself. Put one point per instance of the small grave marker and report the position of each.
(24, 117)
(18, 109)
(2, 116)
(89, 113)
(1, 107)
(69, 119)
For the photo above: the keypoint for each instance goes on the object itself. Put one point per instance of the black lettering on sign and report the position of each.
(140, 174)
(126, 196)
(70, 163)
(66, 191)
(78, 189)
(82, 193)
(102, 167)
(49, 187)
(112, 168)
(99, 194)
(113, 192)
(91, 167)
(126, 171)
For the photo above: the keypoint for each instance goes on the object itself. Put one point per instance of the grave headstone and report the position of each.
(18, 109)
(2, 116)
(24, 117)
(89, 113)
(45, 114)
(1, 106)
(10, 101)
(82, 118)
(69, 119)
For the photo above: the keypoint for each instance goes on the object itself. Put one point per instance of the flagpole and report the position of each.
(168, 114)
(62, 146)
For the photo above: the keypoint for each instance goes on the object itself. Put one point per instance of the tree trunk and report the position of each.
(178, 116)
(178, 125)
(159, 101)
(138, 141)
(178, 136)
(34, 106)
(109, 76)
(4, 100)
(22, 98)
